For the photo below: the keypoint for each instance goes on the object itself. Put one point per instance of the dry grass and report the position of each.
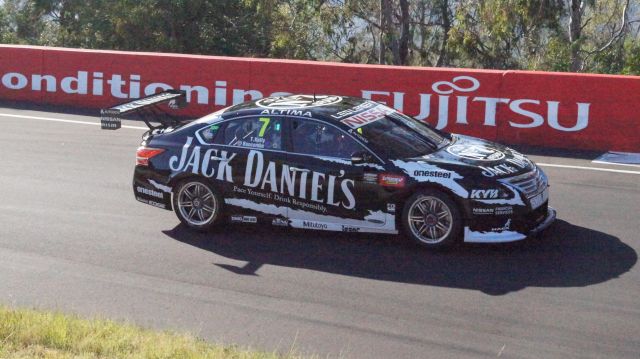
(40, 334)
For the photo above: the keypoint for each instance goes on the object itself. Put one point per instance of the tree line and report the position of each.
(601, 36)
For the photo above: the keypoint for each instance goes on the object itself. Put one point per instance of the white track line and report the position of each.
(144, 128)
(66, 121)
(614, 163)
(587, 168)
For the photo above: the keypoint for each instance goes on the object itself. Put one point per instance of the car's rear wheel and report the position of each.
(431, 219)
(196, 204)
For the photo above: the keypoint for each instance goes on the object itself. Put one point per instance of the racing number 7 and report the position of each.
(265, 122)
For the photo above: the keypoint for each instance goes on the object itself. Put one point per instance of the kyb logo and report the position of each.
(484, 193)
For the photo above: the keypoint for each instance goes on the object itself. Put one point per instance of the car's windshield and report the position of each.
(394, 134)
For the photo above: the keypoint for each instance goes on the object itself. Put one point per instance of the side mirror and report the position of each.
(360, 157)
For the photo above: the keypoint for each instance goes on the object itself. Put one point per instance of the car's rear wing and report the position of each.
(147, 108)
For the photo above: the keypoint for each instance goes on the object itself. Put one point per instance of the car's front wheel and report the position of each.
(196, 204)
(431, 219)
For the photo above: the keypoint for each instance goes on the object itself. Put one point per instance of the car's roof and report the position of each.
(324, 107)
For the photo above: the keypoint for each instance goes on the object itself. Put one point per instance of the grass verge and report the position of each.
(26, 333)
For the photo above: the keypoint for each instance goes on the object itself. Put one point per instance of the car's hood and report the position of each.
(493, 159)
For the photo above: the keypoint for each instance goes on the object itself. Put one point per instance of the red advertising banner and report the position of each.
(594, 112)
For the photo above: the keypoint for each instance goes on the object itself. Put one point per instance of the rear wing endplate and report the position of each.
(147, 108)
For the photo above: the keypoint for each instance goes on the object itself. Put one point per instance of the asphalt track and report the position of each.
(73, 238)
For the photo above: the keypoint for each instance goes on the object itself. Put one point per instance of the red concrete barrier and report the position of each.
(592, 112)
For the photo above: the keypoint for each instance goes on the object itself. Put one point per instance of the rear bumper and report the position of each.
(508, 236)
(149, 187)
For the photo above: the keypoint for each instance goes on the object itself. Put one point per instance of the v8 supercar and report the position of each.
(334, 163)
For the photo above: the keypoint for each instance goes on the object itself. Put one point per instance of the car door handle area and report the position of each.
(296, 169)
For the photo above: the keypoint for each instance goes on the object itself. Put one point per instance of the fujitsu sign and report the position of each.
(458, 92)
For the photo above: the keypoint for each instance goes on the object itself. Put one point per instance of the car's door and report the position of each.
(334, 193)
(256, 143)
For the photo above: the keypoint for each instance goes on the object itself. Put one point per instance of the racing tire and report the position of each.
(197, 204)
(432, 220)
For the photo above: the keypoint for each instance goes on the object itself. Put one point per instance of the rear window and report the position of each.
(210, 134)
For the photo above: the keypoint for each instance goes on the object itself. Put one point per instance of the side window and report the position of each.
(319, 139)
(210, 134)
(254, 132)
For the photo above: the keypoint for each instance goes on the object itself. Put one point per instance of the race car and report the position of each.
(333, 163)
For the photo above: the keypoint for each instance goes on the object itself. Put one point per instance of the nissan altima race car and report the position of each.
(333, 163)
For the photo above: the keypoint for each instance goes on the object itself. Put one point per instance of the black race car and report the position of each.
(333, 163)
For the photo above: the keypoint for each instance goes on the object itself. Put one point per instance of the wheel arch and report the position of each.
(184, 176)
(459, 201)
(176, 183)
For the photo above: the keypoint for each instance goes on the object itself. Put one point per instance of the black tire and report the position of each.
(440, 225)
(205, 207)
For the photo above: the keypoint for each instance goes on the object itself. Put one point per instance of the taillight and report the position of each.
(144, 154)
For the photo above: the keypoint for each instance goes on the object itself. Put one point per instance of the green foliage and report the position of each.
(500, 34)
(504, 33)
(632, 57)
(40, 334)
(557, 56)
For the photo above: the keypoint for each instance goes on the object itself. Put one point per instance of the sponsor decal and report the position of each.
(443, 96)
(370, 177)
(325, 189)
(249, 219)
(476, 152)
(506, 227)
(110, 119)
(244, 219)
(350, 229)
(501, 211)
(298, 101)
(422, 173)
(236, 219)
(372, 222)
(498, 211)
(483, 211)
(314, 225)
(513, 165)
(451, 183)
(484, 193)
(287, 112)
(368, 116)
(149, 192)
(261, 175)
(280, 222)
(537, 112)
(499, 170)
(193, 159)
(391, 207)
(144, 102)
(351, 111)
(391, 180)
(153, 203)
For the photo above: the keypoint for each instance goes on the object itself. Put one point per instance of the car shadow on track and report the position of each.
(567, 256)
